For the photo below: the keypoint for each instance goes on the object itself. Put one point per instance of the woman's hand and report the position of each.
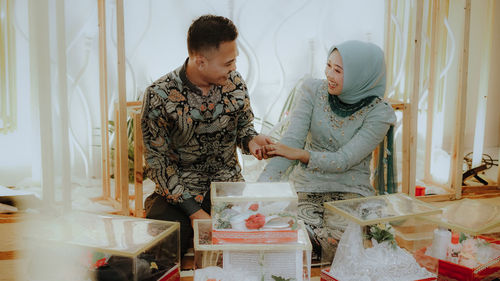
(256, 146)
(279, 149)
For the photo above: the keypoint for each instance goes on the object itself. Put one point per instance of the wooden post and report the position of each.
(432, 89)
(413, 108)
(117, 170)
(405, 148)
(458, 145)
(122, 109)
(138, 172)
(103, 89)
(498, 175)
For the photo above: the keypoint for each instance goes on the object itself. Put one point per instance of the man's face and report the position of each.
(219, 63)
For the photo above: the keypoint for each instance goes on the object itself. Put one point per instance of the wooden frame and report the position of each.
(458, 145)
(138, 164)
(403, 107)
(103, 89)
(121, 198)
(436, 10)
(411, 122)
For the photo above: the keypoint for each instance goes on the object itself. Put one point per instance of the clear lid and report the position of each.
(243, 191)
(384, 208)
(203, 240)
(470, 216)
(122, 235)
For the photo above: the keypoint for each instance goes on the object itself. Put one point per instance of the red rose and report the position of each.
(254, 207)
(255, 221)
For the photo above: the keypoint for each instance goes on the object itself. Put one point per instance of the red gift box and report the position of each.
(451, 271)
(173, 274)
(325, 276)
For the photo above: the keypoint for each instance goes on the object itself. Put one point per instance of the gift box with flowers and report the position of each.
(367, 249)
(465, 245)
(231, 261)
(253, 212)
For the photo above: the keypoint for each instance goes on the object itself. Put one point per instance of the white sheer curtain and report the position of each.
(8, 100)
(440, 82)
(280, 41)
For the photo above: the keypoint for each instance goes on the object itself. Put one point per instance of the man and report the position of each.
(192, 120)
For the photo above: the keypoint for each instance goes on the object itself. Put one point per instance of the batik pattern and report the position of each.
(190, 139)
(325, 228)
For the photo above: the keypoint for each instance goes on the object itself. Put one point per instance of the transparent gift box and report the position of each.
(88, 246)
(368, 248)
(475, 253)
(253, 212)
(288, 261)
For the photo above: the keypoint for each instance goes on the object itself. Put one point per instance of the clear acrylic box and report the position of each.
(378, 209)
(469, 216)
(87, 246)
(478, 225)
(377, 217)
(290, 261)
(253, 212)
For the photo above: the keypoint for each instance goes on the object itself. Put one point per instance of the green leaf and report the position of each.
(278, 278)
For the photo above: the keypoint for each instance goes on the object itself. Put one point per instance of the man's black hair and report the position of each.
(208, 32)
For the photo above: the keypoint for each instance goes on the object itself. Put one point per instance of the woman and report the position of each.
(335, 125)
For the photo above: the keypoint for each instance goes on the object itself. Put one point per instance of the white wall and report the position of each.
(478, 40)
(280, 41)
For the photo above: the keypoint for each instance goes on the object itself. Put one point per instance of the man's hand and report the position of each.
(198, 215)
(279, 149)
(257, 144)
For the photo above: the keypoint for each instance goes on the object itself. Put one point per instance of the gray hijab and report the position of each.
(364, 71)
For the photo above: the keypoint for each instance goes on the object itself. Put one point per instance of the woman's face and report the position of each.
(334, 72)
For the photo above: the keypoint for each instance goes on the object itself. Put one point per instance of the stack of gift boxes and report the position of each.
(368, 250)
(254, 234)
(464, 242)
(456, 242)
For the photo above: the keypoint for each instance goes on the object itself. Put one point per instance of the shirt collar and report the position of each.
(185, 80)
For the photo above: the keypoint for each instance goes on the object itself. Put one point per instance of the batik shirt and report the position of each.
(190, 139)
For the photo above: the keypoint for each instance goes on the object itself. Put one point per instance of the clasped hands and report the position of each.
(262, 147)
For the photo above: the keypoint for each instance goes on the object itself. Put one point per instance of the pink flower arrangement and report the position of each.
(469, 246)
(467, 256)
(255, 221)
(254, 207)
